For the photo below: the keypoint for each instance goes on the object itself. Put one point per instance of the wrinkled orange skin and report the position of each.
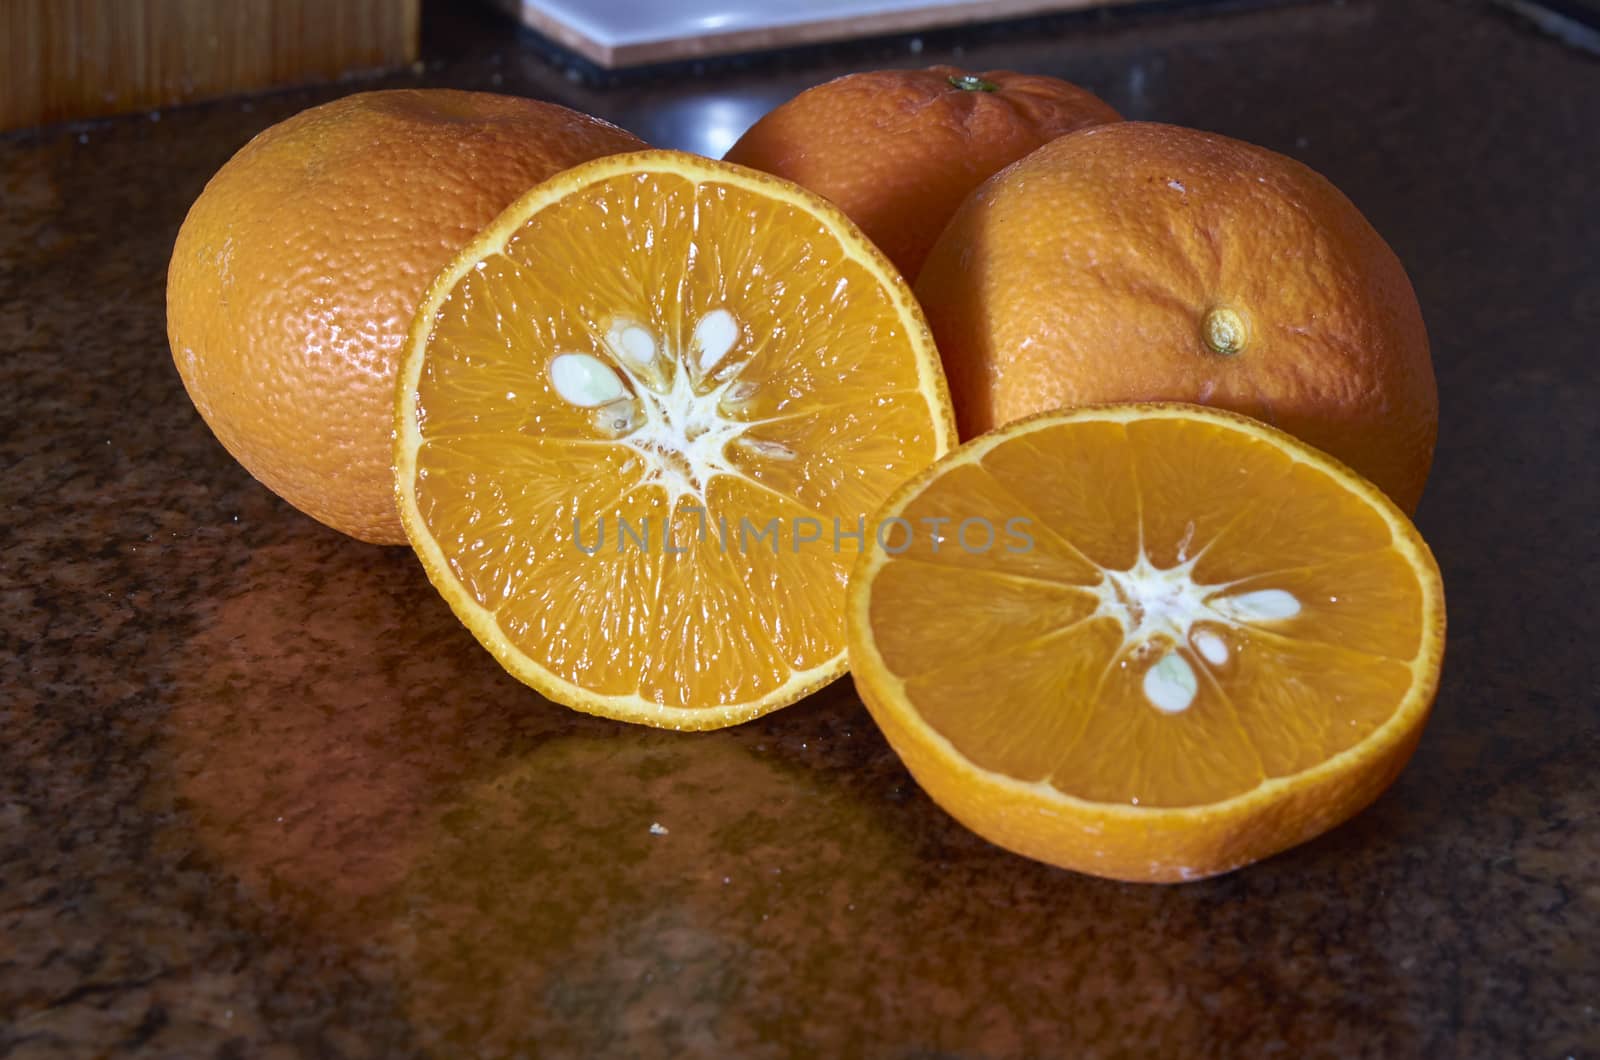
(898, 150)
(1085, 273)
(295, 274)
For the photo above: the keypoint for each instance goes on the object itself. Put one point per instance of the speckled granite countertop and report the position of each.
(260, 795)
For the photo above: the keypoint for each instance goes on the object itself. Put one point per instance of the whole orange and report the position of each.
(1144, 262)
(898, 150)
(295, 274)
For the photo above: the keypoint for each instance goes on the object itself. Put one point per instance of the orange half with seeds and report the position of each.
(1148, 642)
(640, 423)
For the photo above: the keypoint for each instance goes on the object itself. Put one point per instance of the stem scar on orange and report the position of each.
(1199, 641)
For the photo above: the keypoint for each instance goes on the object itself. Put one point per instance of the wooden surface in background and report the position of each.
(64, 59)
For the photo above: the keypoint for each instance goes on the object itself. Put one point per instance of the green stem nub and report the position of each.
(972, 83)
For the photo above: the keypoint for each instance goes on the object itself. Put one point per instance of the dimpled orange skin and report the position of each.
(1144, 262)
(295, 274)
(898, 150)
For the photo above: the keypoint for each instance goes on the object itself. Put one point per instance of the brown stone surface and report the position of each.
(261, 795)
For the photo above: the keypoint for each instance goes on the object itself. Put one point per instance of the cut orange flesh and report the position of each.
(639, 421)
(1149, 642)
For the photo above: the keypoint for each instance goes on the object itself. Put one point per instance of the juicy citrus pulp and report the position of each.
(1151, 642)
(640, 422)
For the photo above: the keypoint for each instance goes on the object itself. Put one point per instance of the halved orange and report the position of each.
(640, 423)
(1148, 642)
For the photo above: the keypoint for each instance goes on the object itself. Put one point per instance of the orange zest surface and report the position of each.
(898, 150)
(1189, 640)
(639, 418)
(294, 276)
(1135, 261)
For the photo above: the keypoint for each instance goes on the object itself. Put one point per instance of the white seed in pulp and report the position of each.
(584, 380)
(633, 344)
(714, 336)
(1170, 684)
(1164, 605)
(675, 421)
(774, 450)
(1211, 647)
(617, 418)
(1259, 606)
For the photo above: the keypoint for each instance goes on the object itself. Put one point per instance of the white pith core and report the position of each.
(672, 407)
(1159, 610)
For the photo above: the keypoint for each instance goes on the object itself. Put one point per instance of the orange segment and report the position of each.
(1218, 642)
(641, 422)
(1050, 488)
(972, 614)
(873, 428)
